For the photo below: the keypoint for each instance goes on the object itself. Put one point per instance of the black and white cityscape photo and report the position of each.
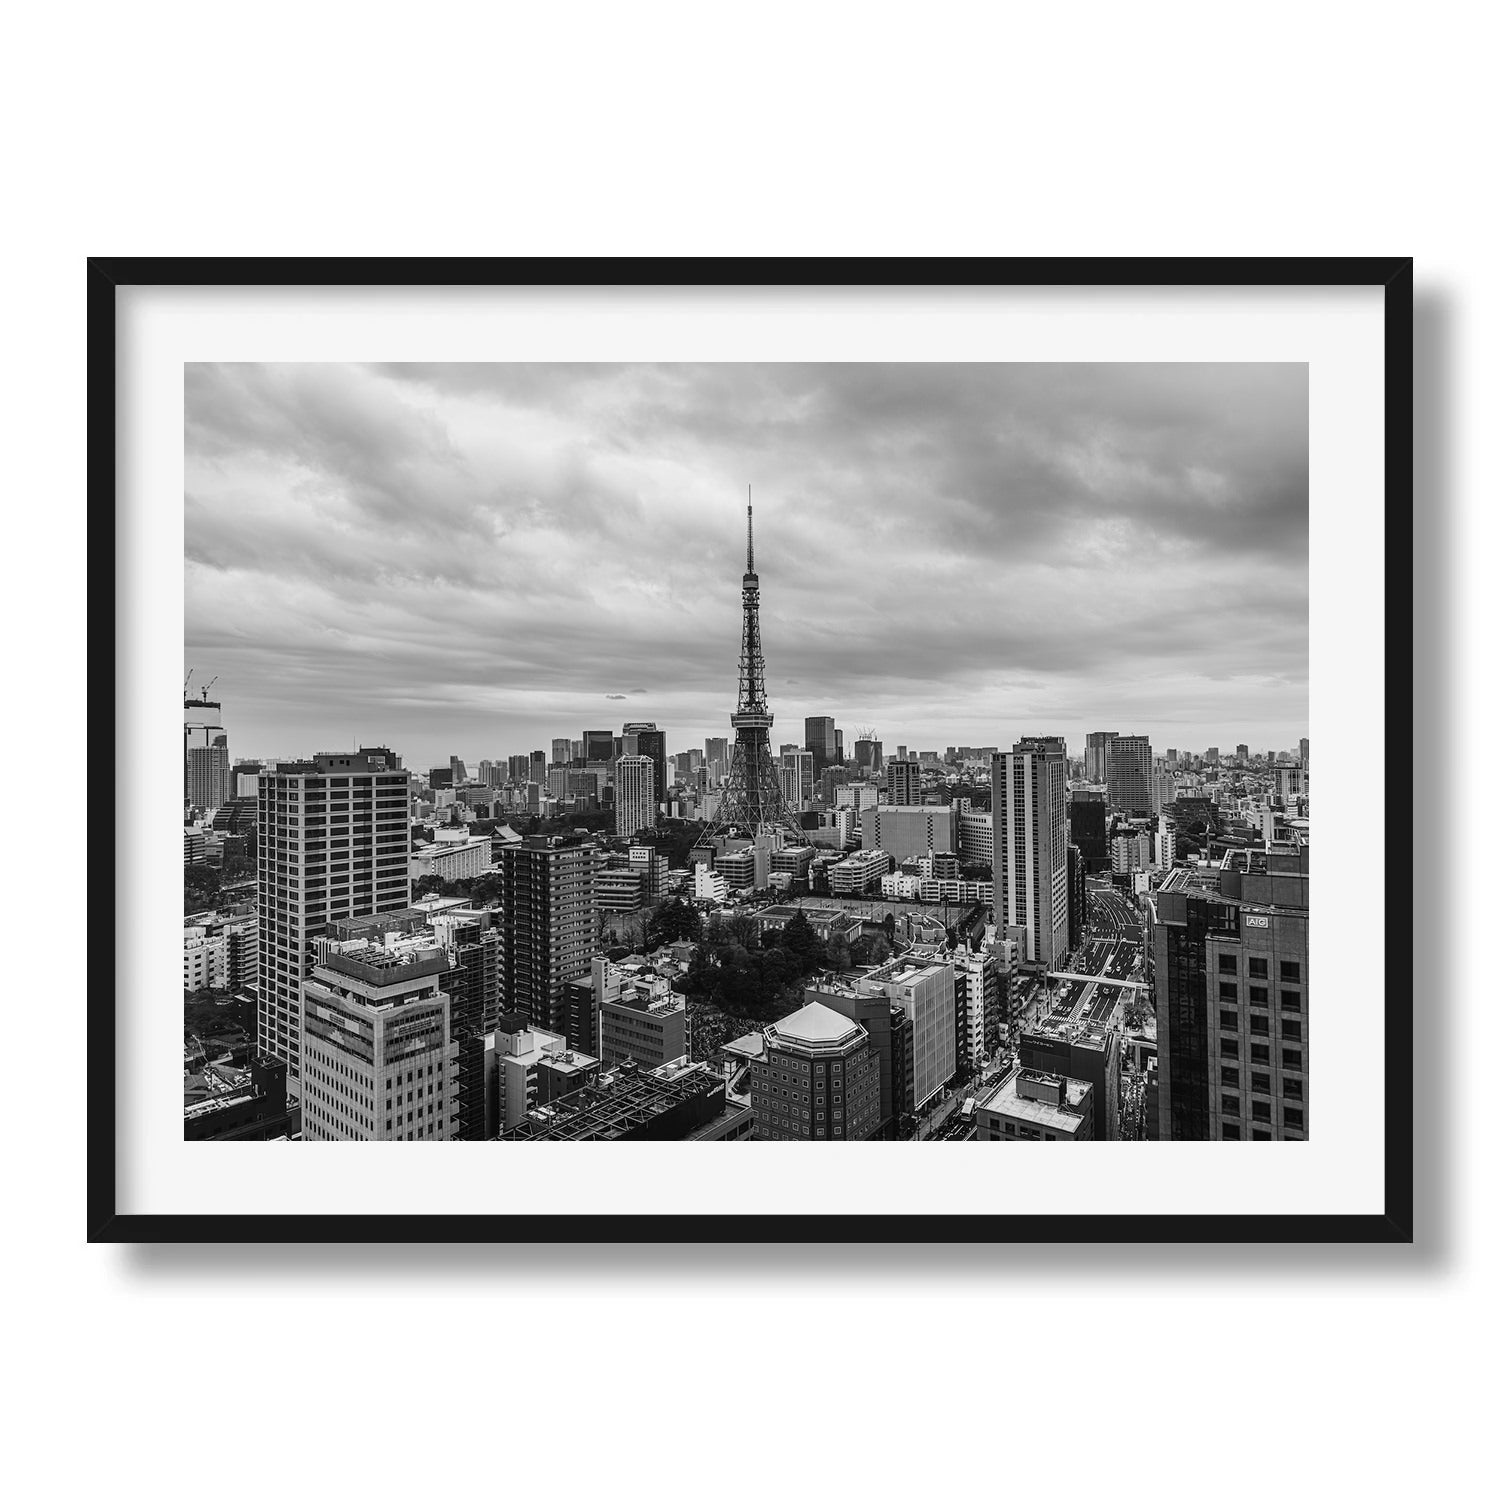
(746, 752)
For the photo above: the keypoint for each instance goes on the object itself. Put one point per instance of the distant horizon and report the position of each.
(491, 556)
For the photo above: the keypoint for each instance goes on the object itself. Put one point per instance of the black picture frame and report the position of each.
(1393, 1225)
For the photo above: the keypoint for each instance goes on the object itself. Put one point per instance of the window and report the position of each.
(1259, 968)
(1228, 990)
(1228, 964)
(1291, 971)
(1231, 1131)
(1229, 1046)
(1229, 1077)
(1260, 1083)
(1229, 1104)
(1291, 999)
(1260, 1110)
(1259, 1053)
(1292, 1119)
(1291, 1088)
(1229, 1020)
(1291, 1031)
(1260, 1025)
(1291, 1057)
(1259, 995)
(1260, 1135)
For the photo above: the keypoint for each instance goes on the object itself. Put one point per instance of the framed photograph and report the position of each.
(636, 706)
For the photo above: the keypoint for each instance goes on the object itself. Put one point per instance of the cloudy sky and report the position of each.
(473, 559)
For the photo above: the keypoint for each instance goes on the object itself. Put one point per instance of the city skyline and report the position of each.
(475, 559)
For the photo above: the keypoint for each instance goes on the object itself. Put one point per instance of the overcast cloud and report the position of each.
(473, 559)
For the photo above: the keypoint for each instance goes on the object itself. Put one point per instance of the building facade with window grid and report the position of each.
(1232, 984)
(817, 1080)
(333, 841)
(378, 1061)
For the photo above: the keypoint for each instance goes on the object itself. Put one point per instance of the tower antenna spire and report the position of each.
(749, 531)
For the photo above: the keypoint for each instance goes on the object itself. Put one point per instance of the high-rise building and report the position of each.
(1028, 800)
(562, 752)
(752, 805)
(1242, 753)
(1096, 755)
(208, 780)
(903, 782)
(1088, 1052)
(1302, 751)
(799, 791)
(1088, 829)
(635, 794)
(549, 918)
(1078, 896)
(817, 1080)
(333, 841)
(205, 782)
(1231, 975)
(820, 742)
(651, 741)
(378, 1060)
(1129, 776)
(924, 990)
(598, 744)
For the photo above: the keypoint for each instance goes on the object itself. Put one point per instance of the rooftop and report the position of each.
(814, 1026)
(1005, 1100)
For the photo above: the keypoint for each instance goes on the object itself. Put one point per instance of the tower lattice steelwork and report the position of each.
(752, 802)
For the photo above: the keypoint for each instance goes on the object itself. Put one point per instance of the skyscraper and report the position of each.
(635, 794)
(752, 804)
(651, 741)
(550, 915)
(1302, 749)
(1028, 803)
(819, 738)
(903, 782)
(1129, 775)
(1096, 755)
(562, 752)
(598, 744)
(333, 841)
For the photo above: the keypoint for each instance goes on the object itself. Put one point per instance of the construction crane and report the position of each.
(187, 680)
(208, 685)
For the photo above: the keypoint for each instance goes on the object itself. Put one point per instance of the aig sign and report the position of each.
(1257, 921)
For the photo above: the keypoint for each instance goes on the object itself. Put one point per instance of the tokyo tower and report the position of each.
(752, 803)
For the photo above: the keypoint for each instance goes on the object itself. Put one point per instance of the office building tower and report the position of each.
(332, 842)
(1166, 843)
(562, 752)
(1211, 755)
(976, 838)
(635, 795)
(820, 742)
(881, 1018)
(817, 1080)
(1231, 975)
(645, 1024)
(651, 741)
(598, 744)
(549, 919)
(1130, 769)
(378, 1059)
(751, 805)
(1242, 754)
(924, 989)
(1028, 792)
(903, 782)
(519, 768)
(838, 746)
(1087, 828)
(868, 759)
(1096, 755)
(1302, 752)
(537, 771)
